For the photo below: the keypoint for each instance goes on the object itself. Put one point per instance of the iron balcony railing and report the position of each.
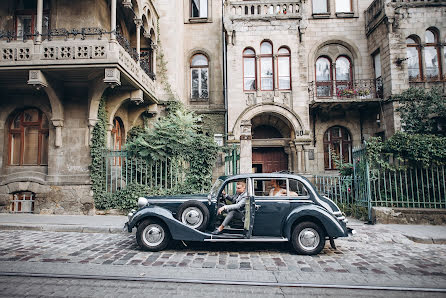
(342, 90)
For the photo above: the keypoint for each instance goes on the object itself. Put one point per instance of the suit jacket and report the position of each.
(238, 201)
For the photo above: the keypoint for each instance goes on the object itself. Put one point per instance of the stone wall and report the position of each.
(414, 216)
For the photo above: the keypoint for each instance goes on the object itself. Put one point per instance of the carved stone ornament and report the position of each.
(37, 79)
(112, 77)
(268, 97)
(250, 99)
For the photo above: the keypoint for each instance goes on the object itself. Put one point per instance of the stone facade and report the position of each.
(141, 53)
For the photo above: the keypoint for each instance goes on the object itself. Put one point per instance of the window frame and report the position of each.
(267, 56)
(320, 13)
(33, 14)
(248, 56)
(348, 83)
(436, 45)
(351, 7)
(289, 67)
(324, 83)
(342, 142)
(416, 45)
(199, 68)
(21, 131)
(199, 10)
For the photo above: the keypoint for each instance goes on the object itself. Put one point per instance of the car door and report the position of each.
(271, 207)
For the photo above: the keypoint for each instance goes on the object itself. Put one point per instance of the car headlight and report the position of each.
(142, 202)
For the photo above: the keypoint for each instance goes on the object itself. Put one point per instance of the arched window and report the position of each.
(284, 68)
(343, 74)
(249, 69)
(337, 141)
(431, 56)
(117, 134)
(324, 84)
(28, 138)
(413, 59)
(266, 66)
(199, 73)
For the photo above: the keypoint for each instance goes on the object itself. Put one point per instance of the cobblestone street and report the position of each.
(373, 257)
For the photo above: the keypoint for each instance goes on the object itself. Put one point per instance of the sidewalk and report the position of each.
(115, 224)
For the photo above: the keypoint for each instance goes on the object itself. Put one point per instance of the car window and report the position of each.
(297, 188)
(267, 187)
(231, 187)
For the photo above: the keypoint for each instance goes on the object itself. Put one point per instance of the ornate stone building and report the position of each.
(286, 81)
(306, 78)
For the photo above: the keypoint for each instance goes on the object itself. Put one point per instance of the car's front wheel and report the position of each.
(152, 235)
(308, 238)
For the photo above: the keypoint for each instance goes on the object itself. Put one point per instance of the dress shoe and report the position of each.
(217, 232)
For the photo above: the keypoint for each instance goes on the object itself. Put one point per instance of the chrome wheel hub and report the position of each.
(153, 235)
(309, 239)
(192, 217)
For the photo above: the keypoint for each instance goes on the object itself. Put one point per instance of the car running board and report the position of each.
(253, 239)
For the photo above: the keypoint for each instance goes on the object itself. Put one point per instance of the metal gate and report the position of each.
(361, 180)
(232, 161)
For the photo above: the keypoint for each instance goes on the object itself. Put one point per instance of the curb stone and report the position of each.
(62, 228)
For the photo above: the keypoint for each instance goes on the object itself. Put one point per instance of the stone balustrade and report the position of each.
(264, 9)
(74, 51)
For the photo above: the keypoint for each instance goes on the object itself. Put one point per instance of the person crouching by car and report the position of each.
(236, 210)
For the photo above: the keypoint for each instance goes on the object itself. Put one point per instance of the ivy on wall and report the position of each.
(97, 147)
(179, 134)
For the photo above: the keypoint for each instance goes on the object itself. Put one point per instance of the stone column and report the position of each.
(245, 147)
(58, 124)
(39, 21)
(299, 159)
(154, 52)
(138, 23)
(109, 128)
(293, 154)
(113, 21)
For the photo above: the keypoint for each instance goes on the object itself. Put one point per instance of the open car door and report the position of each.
(250, 211)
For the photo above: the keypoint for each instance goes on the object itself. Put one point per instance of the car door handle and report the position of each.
(258, 206)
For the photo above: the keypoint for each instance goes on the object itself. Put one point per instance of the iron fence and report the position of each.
(338, 188)
(410, 188)
(121, 170)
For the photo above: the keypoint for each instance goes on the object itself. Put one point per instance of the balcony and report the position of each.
(334, 92)
(251, 10)
(77, 49)
(381, 9)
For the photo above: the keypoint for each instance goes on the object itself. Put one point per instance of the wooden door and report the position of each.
(269, 159)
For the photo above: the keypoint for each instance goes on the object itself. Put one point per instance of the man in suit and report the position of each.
(236, 210)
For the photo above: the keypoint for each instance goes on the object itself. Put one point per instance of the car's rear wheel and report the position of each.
(308, 238)
(194, 214)
(152, 235)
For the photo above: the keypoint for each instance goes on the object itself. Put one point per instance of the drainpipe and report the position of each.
(225, 75)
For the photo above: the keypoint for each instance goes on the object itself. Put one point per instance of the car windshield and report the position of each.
(216, 187)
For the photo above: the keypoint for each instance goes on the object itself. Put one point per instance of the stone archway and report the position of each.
(271, 136)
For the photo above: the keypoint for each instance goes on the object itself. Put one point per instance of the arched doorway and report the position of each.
(270, 143)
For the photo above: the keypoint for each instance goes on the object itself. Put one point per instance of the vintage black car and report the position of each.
(298, 213)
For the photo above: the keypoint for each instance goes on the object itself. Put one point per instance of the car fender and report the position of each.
(178, 230)
(331, 225)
